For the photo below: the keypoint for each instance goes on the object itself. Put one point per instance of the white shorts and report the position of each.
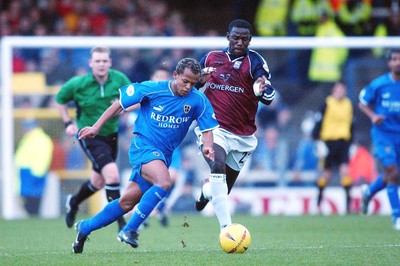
(238, 148)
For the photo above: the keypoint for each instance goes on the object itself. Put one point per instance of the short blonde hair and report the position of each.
(100, 49)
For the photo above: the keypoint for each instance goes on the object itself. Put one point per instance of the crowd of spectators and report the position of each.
(161, 18)
(91, 18)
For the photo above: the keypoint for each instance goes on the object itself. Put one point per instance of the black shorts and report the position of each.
(100, 150)
(338, 153)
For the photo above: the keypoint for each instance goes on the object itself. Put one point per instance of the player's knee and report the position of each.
(165, 184)
(126, 203)
(110, 173)
(97, 182)
(111, 177)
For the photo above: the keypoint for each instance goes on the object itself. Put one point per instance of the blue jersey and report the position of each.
(384, 94)
(164, 118)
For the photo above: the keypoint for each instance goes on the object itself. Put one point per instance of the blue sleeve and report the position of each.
(203, 61)
(129, 95)
(134, 93)
(367, 95)
(259, 66)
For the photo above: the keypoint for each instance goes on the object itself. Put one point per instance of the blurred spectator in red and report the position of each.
(14, 13)
(97, 17)
(58, 161)
(18, 62)
(361, 165)
(64, 7)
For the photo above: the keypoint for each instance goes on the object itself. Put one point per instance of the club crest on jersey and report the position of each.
(130, 90)
(186, 108)
(155, 153)
(225, 77)
(237, 64)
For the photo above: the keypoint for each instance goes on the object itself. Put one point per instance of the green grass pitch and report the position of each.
(276, 240)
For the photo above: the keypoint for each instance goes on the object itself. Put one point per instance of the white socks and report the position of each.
(217, 192)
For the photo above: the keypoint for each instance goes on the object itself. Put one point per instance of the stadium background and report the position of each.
(48, 68)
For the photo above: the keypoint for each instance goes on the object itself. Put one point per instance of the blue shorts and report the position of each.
(387, 147)
(142, 152)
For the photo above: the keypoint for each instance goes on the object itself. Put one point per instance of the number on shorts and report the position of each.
(242, 160)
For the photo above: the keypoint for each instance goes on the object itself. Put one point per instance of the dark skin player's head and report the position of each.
(394, 63)
(239, 37)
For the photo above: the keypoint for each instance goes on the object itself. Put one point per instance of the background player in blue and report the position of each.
(167, 109)
(238, 78)
(380, 101)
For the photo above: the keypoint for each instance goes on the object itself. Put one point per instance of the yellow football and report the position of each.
(235, 238)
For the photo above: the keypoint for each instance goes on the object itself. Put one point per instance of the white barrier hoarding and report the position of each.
(299, 201)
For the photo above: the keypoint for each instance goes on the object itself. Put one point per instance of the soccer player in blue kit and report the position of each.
(238, 80)
(167, 109)
(380, 101)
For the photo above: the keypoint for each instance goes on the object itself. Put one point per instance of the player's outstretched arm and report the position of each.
(208, 140)
(205, 75)
(91, 132)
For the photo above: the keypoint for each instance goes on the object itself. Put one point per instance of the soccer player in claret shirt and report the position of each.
(380, 101)
(167, 109)
(236, 79)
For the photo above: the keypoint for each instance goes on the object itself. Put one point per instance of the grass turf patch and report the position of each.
(276, 240)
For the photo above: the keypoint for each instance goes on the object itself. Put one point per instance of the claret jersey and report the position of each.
(232, 85)
(165, 113)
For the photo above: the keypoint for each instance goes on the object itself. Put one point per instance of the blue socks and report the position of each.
(111, 212)
(393, 195)
(163, 203)
(376, 186)
(148, 202)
